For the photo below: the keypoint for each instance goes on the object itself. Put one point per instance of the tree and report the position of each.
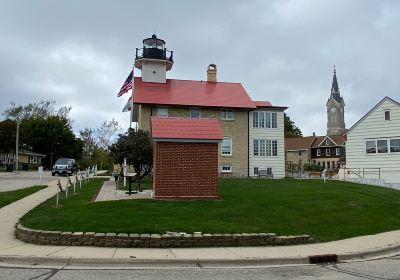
(136, 147)
(53, 137)
(291, 130)
(106, 132)
(8, 129)
(41, 109)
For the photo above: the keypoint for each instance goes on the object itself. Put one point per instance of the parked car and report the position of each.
(66, 166)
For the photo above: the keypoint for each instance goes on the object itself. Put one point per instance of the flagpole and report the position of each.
(133, 86)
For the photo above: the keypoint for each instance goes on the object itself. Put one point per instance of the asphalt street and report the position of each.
(10, 181)
(387, 268)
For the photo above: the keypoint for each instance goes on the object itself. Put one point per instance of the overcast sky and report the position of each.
(80, 52)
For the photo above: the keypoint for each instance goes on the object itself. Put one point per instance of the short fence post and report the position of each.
(58, 191)
(363, 172)
(66, 190)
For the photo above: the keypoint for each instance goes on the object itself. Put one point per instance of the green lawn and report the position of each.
(11, 196)
(147, 184)
(330, 211)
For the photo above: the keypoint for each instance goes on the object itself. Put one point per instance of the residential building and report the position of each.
(155, 95)
(27, 159)
(328, 152)
(266, 140)
(298, 151)
(373, 143)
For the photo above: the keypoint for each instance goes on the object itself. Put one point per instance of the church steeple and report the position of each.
(335, 93)
(335, 109)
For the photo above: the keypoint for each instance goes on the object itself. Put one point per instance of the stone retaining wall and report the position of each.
(168, 240)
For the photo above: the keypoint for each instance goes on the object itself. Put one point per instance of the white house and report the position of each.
(266, 140)
(373, 143)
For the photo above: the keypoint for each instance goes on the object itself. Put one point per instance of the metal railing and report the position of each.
(362, 172)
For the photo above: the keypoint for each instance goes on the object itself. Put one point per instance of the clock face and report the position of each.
(333, 110)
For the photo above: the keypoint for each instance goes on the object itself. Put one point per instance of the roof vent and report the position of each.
(212, 73)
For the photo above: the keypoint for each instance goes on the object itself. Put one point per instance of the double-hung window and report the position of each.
(262, 119)
(227, 115)
(265, 147)
(395, 145)
(338, 151)
(328, 152)
(226, 146)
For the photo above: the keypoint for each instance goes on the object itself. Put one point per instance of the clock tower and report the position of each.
(335, 109)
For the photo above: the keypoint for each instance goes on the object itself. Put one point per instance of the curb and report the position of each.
(126, 263)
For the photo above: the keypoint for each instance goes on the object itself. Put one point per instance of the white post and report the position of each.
(66, 190)
(133, 85)
(40, 171)
(74, 186)
(58, 191)
(124, 167)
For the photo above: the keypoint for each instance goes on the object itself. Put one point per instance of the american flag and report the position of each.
(127, 85)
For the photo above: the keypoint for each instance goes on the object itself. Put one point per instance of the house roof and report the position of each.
(30, 153)
(336, 140)
(192, 93)
(299, 143)
(262, 103)
(386, 98)
(186, 128)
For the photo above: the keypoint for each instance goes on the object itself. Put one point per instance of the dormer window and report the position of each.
(327, 142)
(387, 115)
(195, 113)
(162, 111)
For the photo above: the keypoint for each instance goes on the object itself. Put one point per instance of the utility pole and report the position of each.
(16, 146)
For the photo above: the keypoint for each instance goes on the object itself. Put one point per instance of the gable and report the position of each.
(376, 114)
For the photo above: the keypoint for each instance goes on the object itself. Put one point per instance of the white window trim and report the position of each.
(226, 171)
(337, 151)
(265, 120)
(34, 159)
(328, 152)
(230, 152)
(318, 152)
(225, 118)
(266, 145)
(376, 146)
(384, 115)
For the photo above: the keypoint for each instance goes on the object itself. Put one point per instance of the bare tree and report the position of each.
(105, 133)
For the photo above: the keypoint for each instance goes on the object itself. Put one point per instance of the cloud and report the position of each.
(80, 52)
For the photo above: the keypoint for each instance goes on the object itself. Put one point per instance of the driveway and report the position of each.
(10, 181)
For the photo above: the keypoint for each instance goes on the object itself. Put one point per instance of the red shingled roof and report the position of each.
(192, 93)
(185, 128)
(262, 103)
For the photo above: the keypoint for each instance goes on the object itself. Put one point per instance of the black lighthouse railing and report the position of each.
(154, 48)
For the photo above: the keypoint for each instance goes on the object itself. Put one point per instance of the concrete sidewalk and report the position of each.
(14, 251)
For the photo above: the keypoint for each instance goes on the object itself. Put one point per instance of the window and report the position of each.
(269, 170)
(226, 169)
(255, 147)
(265, 147)
(338, 151)
(328, 152)
(255, 170)
(327, 142)
(32, 159)
(387, 115)
(195, 113)
(162, 111)
(382, 146)
(318, 152)
(264, 119)
(227, 115)
(255, 119)
(370, 147)
(328, 164)
(299, 153)
(226, 147)
(395, 145)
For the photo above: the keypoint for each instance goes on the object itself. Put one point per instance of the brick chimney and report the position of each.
(212, 73)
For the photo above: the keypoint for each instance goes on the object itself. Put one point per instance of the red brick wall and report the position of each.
(185, 170)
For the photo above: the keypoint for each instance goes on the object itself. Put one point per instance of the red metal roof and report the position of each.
(262, 103)
(192, 93)
(185, 128)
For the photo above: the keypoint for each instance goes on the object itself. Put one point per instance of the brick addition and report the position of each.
(185, 170)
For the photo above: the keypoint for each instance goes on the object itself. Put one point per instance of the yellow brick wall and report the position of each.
(237, 129)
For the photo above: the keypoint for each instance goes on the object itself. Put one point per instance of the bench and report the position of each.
(264, 173)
